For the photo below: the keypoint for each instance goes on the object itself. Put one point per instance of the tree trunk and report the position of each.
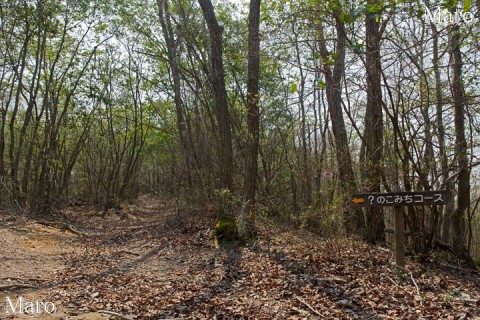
(247, 217)
(220, 95)
(353, 218)
(448, 210)
(306, 181)
(164, 17)
(373, 149)
(461, 147)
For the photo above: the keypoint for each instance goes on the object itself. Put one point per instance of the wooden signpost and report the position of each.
(399, 200)
(395, 199)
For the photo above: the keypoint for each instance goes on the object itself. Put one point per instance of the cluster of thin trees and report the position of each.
(280, 108)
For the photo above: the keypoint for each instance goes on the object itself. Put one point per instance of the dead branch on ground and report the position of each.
(309, 306)
(24, 279)
(16, 286)
(63, 226)
(118, 315)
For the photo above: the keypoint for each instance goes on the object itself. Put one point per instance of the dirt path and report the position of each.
(42, 263)
(161, 264)
(32, 257)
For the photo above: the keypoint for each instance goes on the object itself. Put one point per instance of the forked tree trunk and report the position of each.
(164, 17)
(353, 218)
(220, 95)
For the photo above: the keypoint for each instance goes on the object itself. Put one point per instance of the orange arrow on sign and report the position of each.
(358, 200)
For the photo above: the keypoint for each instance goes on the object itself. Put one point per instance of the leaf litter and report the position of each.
(163, 265)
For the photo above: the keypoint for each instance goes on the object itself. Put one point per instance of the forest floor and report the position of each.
(160, 263)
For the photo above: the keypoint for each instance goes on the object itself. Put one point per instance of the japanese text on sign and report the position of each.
(400, 198)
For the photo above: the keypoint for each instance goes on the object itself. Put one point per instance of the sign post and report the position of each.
(399, 241)
(399, 200)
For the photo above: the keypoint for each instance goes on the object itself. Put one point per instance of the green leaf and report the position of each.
(372, 9)
(316, 56)
(356, 48)
(334, 5)
(356, 13)
(345, 17)
(101, 27)
(449, 4)
(467, 5)
(293, 88)
(321, 84)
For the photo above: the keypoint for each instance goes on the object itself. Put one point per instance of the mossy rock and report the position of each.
(225, 229)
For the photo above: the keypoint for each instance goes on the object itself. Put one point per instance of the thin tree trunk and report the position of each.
(164, 17)
(353, 218)
(461, 147)
(220, 95)
(448, 209)
(372, 171)
(247, 217)
(14, 166)
(306, 174)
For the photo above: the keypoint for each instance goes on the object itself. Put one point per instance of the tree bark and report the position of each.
(353, 218)
(306, 181)
(461, 147)
(247, 218)
(450, 207)
(164, 17)
(373, 149)
(220, 95)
